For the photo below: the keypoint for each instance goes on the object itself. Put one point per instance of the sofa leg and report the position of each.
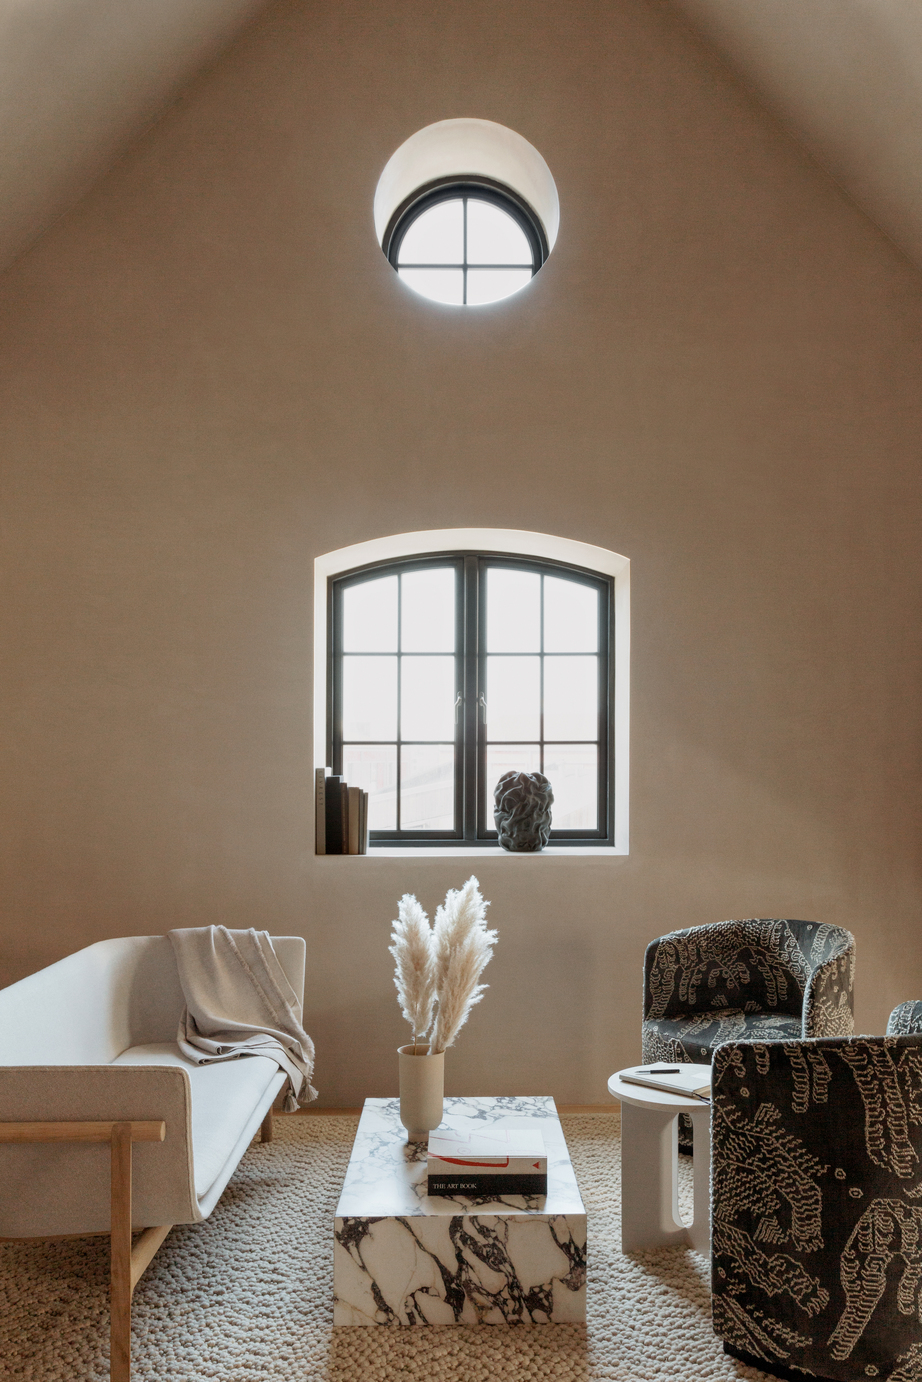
(126, 1265)
(142, 1254)
(120, 1268)
(267, 1126)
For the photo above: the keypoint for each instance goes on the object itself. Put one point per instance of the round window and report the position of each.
(465, 242)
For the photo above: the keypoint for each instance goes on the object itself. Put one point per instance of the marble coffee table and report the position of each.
(401, 1256)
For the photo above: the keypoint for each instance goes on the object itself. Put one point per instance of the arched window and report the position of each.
(466, 211)
(465, 242)
(445, 669)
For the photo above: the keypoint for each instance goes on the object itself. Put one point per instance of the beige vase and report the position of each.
(422, 1086)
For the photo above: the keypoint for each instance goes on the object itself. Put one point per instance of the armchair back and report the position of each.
(799, 968)
(817, 1204)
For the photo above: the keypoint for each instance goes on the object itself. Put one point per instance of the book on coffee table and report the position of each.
(494, 1161)
(671, 1079)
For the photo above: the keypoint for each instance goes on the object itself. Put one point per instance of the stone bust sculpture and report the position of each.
(522, 811)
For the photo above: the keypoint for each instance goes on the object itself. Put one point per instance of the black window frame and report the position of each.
(473, 795)
(466, 188)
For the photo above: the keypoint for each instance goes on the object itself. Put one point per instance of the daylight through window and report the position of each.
(448, 671)
(466, 244)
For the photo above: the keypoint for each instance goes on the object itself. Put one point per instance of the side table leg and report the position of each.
(649, 1180)
(699, 1234)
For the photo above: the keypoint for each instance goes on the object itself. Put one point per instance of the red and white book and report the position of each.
(491, 1161)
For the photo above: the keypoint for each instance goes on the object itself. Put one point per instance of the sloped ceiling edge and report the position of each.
(845, 77)
(79, 80)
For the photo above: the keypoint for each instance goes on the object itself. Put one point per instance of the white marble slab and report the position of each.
(403, 1257)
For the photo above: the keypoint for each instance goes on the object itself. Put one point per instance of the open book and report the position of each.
(672, 1079)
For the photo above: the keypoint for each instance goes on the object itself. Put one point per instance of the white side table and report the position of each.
(650, 1167)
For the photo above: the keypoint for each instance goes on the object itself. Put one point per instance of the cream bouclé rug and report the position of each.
(246, 1296)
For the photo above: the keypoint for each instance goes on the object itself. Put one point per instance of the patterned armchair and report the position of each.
(757, 980)
(816, 1203)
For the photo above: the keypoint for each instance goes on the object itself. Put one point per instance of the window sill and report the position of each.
(482, 852)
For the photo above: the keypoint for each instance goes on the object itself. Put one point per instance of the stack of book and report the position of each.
(341, 814)
(495, 1162)
(694, 1081)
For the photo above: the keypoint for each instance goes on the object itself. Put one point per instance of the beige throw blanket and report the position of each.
(239, 1003)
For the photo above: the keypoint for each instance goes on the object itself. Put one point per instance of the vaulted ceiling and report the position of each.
(80, 79)
(845, 77)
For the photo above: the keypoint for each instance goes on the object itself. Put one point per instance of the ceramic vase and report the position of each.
(422, 1086)
(522, 811)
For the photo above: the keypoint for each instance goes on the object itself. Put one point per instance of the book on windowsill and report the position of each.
(354, 835)
(671, 1079)
(503, 1161)
(363, 825)
(336, 813)
(342, 815)
(320, 809)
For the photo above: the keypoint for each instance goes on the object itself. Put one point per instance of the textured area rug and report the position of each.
(246, 1296)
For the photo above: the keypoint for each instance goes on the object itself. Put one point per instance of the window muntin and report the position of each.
(395, 690)
(465, 243)
(445, 672)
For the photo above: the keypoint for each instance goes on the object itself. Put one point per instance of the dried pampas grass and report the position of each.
(437, 969)
(415, 972)
(462, 948)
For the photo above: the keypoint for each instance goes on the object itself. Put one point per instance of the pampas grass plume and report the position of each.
(415, 973)
(462, 947)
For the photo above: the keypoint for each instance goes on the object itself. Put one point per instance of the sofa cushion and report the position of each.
(224, 1095)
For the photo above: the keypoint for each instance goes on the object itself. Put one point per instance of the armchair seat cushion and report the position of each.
(694, 1038)
(225, 1097)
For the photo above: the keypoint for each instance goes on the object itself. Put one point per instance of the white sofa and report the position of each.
(90, 1042)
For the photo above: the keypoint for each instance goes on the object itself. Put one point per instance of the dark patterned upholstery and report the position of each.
(816, 1200)
(758, 980)
(745, 980)
(905, 1019)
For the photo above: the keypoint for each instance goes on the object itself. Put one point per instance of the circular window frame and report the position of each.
(451, 188)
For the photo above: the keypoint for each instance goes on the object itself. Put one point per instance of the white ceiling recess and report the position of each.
(845, 77)
(79, 80)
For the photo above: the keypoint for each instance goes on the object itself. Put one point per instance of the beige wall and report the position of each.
(211, 375)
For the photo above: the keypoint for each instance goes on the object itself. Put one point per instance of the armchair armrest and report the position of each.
(905, 1019)
(828, 996)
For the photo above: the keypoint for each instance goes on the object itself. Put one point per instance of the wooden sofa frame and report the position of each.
(127, 1262)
